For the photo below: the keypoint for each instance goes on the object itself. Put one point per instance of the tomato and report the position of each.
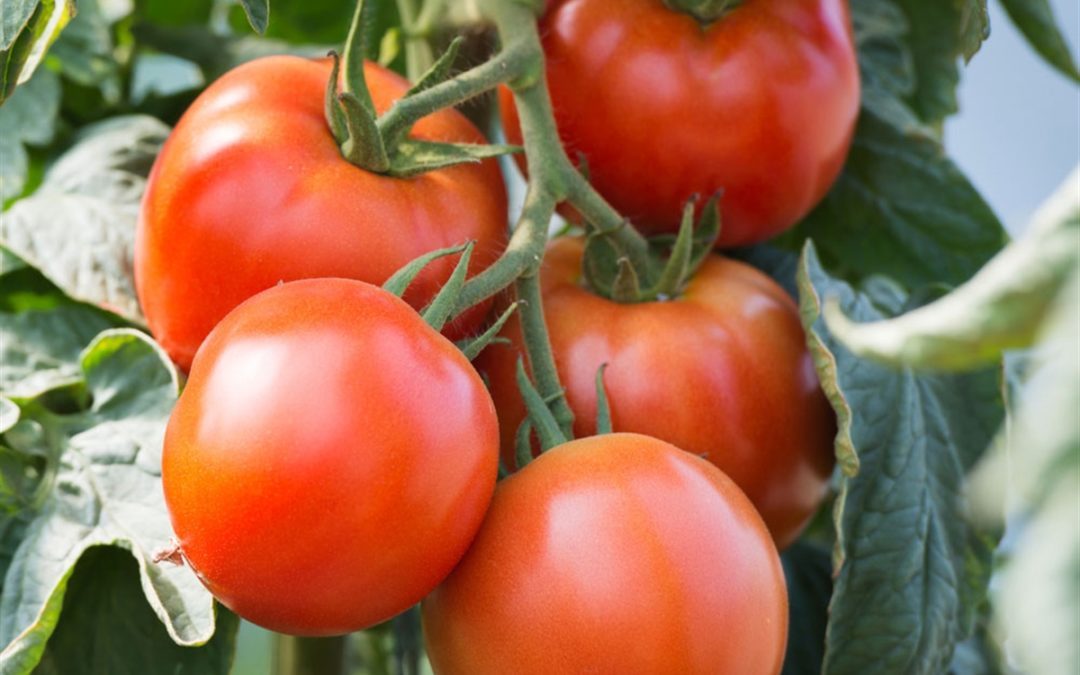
(613, 554)
(251, 189)
(761, 103)
(330, 458)
(721, 371)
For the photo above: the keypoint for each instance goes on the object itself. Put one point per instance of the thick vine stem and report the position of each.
(504, 66)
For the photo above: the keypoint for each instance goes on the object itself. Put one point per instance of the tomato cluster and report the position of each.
(332, 460)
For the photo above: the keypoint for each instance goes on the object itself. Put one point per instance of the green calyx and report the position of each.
(382, 145)
(705, 11)
(671, 263)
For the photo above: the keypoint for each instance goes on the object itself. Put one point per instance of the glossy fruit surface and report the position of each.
(330, 458)
(251, 189)
(721, 371)
(760, 103)
(613, 554)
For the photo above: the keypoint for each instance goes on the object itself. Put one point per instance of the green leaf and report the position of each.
(935, 41)
(808, 573)
(1035, 19)
(27, 29)
(78, 228)
(28, 118)
(412, 157)
(1002, 307)
(9, 414)
(85, 52)
(902, 209)
(39, 349)
(104, 601)
(910, 570)
(258, 14)
(105, 489)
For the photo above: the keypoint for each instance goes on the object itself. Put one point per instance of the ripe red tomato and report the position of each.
(330, 458)
(251, 189)
(722, 371)
(761, 103)
(613, 554)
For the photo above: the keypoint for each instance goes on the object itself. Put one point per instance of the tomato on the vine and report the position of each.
(613, 554)
(760, 103)
(721, 371)
(330, 458)
(251, 189)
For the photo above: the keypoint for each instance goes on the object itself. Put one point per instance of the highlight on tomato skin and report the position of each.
(722, 371)
(760, 103)
(330, 458)
(613, 554)
(251, 189)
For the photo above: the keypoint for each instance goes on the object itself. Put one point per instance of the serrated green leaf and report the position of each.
(27, 29)
(258, 14)
(412, 157)
(78, 228)
(1002, 307)
(39, 350)
(902, 209)
(28, 118)
(103, 601)
(808, 574)
(105, 490)
(910, 569)
(1035, 20)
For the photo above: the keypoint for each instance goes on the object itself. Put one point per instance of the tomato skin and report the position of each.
(722, 371)
(613, 554)
(761, 103)
(330, 458)
(251, 189)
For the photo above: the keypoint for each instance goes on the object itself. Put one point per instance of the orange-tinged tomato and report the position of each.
(760, 103)
(721, 371)
(251, 189)
(613, 554)
(330, 458)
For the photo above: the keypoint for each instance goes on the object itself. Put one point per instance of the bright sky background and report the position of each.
(1018, 132)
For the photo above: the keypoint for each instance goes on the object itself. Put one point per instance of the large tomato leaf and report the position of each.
(39, 349)
(102, 486)
(28, 118)
(1035, 19)
(104, 600)
(910, 570)
(85, 50)
(78, 228)
(1002, 307)
(27, 29)
(902, 209)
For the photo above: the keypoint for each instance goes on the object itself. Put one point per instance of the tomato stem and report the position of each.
(705, 11)
(309, 655)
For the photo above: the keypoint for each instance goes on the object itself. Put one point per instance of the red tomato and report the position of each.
(330, 458)
(722, 371)
(251, 189)
(761, 103)
(613, 554)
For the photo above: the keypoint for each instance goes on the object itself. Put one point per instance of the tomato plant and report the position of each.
(330, 458)
(721, 371)
(760, 103)
(616, 553)
(294, 163)
(252, 189)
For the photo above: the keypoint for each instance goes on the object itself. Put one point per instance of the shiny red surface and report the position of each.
(330, 458)
(721, 371)
(613, 554)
